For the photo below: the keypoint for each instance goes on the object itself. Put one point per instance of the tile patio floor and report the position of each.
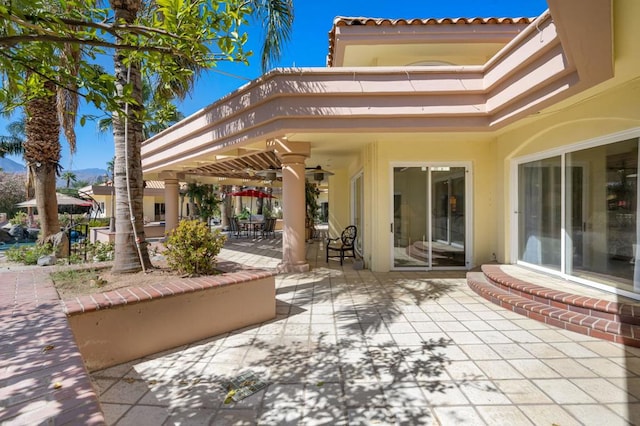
(356, 347)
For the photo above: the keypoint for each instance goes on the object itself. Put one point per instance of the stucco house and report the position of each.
(453, 142)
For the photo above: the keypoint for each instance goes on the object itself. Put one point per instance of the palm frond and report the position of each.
(10, 145)
(277, 22)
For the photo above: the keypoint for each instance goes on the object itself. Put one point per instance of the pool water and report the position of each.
(7, 246)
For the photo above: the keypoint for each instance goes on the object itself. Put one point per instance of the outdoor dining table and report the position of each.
(252, 226)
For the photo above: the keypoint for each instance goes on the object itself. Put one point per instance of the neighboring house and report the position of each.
(453, 142)
(153, 201)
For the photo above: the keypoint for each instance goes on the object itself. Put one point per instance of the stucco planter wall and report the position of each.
(126, 324)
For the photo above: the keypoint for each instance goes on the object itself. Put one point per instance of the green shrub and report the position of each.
(100, 252)
(99, 222)
(20, 218)
(29, 255)
(192, 247)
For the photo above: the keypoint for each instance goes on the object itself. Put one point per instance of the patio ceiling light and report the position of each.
(318, 173)
(270, 174)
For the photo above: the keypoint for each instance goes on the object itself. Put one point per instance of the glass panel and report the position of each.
(448, 221)
(539, 208)
(601, 213)
(410, 196)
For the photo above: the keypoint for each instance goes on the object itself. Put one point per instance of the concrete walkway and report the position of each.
(356, 347)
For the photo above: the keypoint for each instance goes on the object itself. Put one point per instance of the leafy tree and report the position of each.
(12, 188)
(159, 113)
(205, 199)
(176, 39)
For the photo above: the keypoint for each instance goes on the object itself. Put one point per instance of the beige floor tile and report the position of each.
(533, 368)
(629, 412)
(113, 412)
(479, 352)
(496, 369)
(144, 415)
(574, 350)
(563, 391)
(443, 393)
(549, 415)
(543, 350)
(493, 337)
(477, 326)
(463, 337)
(125, 392)
(483, 392)
(595, 415)
(603, 367)
(464, 370)
(604, 348)
(603, 391)
(452, 416)
(569, 368)
(507, 415)
(511, 351)
(522, 391)
(229, 417)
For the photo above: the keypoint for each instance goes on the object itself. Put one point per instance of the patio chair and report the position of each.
(269, 227)
(235, 227)
(340, 247)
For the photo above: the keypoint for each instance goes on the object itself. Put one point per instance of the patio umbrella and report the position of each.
(63, 200)
(253, 193)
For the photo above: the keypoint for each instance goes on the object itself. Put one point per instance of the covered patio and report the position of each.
(358, 347)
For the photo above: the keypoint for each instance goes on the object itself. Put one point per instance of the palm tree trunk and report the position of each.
(131, 253)
(42, 154)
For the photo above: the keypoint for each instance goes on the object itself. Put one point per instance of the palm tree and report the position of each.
(69, 177)
(112, 217)
(48, 107)
(131, 253)
(42, 154)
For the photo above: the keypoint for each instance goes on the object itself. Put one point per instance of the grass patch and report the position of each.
(74, 276)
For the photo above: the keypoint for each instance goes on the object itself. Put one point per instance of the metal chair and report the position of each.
(343, 245)
(234, 227)
(269, 227)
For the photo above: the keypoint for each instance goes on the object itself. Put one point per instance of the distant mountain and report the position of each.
(11, 166)
(89, 175)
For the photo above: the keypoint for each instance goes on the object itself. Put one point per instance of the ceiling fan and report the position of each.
(317, 173)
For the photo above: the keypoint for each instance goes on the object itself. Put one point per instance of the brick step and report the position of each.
(625, 313)
(602, 328)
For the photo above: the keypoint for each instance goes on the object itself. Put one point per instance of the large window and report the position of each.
(577, 213)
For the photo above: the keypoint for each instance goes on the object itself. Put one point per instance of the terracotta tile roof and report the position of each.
(344, 21)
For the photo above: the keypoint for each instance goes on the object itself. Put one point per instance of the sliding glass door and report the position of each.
(577, 214)
(429, 217)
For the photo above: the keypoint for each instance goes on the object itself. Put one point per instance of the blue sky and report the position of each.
(307, 48)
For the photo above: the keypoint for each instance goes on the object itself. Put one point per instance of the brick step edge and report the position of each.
(601, 328)
(614, 311)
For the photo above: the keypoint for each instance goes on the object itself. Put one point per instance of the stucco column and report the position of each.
(292, 155)
(171, 201)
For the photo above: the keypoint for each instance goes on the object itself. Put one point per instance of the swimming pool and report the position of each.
(7, 246)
